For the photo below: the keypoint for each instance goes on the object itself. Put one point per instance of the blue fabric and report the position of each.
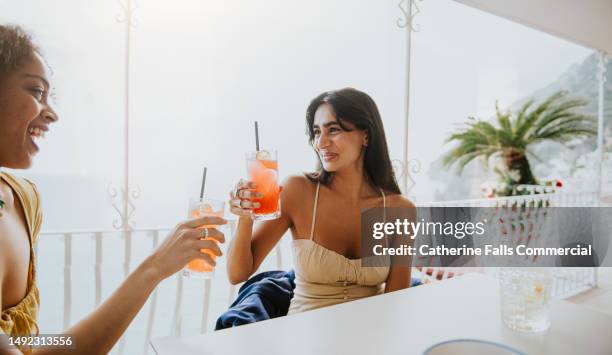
(264, 296)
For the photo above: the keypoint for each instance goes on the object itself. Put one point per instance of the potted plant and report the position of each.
(510, 138)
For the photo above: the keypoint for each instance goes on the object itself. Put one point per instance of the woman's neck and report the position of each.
(352, 183)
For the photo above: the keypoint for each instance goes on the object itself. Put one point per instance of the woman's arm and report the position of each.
(251, 244)
(400, 272)
(398, 279)
(98, 332)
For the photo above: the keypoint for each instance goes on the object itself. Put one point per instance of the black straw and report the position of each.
(256, 137)
(203, 184)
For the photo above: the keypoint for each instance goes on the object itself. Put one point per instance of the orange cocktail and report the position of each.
(199, 268)
(262, 167)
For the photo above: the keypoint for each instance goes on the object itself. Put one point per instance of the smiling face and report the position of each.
(337, 148)
(25, 114)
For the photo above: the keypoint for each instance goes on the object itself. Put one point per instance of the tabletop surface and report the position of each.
(405, 322)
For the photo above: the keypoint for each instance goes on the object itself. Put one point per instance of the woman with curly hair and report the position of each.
(26, 117)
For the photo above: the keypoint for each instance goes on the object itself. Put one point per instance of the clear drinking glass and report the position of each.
(262, 169)
(202, 207)
(526, 298)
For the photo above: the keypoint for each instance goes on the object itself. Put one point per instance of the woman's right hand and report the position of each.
(184, 243)
(243, 198)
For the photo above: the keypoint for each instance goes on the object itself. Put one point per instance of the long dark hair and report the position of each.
(358, 108)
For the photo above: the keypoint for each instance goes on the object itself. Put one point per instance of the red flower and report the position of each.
(559, 183)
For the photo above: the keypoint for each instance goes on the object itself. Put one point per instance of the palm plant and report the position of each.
(554, 119)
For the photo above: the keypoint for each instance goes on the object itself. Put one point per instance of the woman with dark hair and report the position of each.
(323, 209)
(25, 117)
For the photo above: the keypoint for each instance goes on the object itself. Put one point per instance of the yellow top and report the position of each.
(21, 318)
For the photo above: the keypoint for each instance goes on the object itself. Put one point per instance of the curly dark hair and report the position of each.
(16, 47)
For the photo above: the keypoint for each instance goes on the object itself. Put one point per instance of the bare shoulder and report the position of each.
(400, 201)
(296, 185)
(295, 190)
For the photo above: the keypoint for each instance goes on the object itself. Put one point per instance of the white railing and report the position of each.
(553, 199)
(128, 237)
(569, 281)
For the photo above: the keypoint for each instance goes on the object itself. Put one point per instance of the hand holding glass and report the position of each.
(201, 207)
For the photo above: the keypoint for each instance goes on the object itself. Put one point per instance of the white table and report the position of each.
(405, 322)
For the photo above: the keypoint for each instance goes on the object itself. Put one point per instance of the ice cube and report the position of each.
(263, 155)
(206, 208)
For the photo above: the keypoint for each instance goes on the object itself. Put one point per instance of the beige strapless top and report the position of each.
(324, 277)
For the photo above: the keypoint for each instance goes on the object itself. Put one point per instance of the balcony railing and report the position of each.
(568, 281)
(150, 237)
(130, 246)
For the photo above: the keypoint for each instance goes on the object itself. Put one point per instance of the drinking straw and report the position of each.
(203, 183)
(256, 137)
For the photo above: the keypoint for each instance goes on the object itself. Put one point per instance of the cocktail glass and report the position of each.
(262, 169)
(526, 297)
